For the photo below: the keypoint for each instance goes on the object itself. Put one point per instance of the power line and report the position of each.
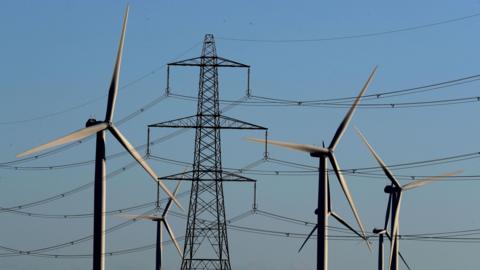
(86, 162)
(9, 164)
(393, 105)
(66, 193)
(453, 178)
(340, 102)
(356, 36)
(144, 108)
(313, 169)
(83, 239)
(87, 215)
(268, 102)
(38, 252)
(389, 93)
(445, 236)
(85, 186)
(82, 256)
(308, 170)
(82, 215)
(128, 84)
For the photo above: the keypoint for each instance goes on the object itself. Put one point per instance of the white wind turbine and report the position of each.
(99, 127)
(161, 221)
(395, 191)
(323, 210)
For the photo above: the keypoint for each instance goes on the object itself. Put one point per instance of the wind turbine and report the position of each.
(381, 234)
(160, 220)
(323, 210)
(395, 191)
(99, 127)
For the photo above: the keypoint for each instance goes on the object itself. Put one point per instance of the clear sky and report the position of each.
(56, 60)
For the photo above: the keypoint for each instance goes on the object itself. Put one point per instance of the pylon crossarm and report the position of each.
(200, 62)
(226, 177)
(224, 122)
(230, 63)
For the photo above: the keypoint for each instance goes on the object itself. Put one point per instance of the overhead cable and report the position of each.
(354, 36)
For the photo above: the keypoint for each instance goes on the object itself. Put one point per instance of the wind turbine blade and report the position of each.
(123, 141)
(293, 146)
(344, 223)
(169, 203)
(172, 236)
(422, 182)
(385, 169)
(74, 136)
(346, 191)
(400, 254)
(344, 124)
(404, 261)
(139, 217)
(308, 237)
(395, 228)
(112, 92)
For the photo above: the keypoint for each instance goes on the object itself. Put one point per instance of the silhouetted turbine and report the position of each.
(160, 220)
(395, 191)
(99, 127)
(384, 232)
(323, 210)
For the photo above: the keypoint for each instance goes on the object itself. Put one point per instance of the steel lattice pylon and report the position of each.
(206, 242)
(206, 218)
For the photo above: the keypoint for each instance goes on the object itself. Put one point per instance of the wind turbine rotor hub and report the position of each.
(378, 231)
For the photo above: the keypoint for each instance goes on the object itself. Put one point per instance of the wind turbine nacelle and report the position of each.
(378, 231)
(391, 189)
(91, 122)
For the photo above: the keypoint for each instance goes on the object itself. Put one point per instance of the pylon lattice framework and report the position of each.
(206, 242)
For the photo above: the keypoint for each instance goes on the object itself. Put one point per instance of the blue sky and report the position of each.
(57, 58)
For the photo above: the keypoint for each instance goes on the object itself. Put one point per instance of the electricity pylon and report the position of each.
(206, 241)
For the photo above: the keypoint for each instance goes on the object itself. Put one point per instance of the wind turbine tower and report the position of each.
(206, 242)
